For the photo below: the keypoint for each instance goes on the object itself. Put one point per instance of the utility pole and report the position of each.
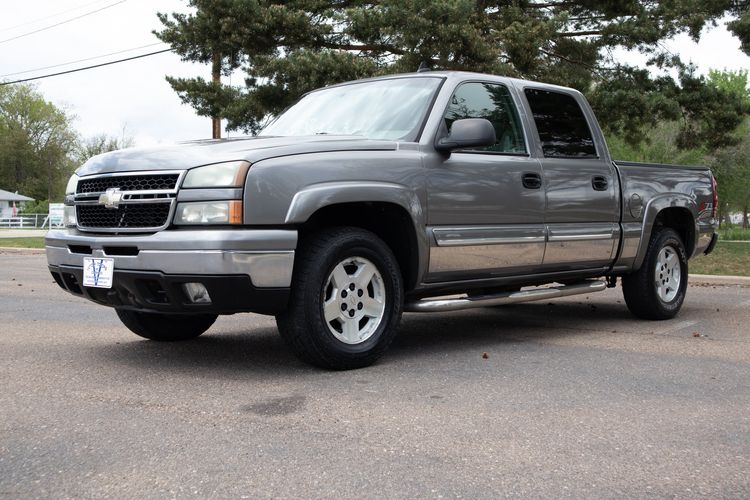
(216, 77)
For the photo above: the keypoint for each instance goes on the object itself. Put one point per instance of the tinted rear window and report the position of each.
(562, 127)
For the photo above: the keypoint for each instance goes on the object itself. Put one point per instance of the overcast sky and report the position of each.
(135, 94)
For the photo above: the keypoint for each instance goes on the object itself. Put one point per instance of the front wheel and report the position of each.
(657, 290)
(346, 300)
(166, 327)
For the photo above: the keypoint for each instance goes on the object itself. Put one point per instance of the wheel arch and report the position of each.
(392, 212)
(675, 211)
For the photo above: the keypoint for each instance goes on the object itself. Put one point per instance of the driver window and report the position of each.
(492, 102)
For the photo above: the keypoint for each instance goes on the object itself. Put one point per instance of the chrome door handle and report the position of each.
(599, 183)
(531, 181)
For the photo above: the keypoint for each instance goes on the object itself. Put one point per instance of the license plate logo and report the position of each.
(97, 273)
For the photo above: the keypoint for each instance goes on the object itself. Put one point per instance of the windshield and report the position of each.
(381, 109)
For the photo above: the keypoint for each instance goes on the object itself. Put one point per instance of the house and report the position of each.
(9, 203)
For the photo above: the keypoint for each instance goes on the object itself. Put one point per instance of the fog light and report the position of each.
(196, 293)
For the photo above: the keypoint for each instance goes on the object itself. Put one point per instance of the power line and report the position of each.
(86, 67)
(79, 60)
(61, 22)
(8, 28)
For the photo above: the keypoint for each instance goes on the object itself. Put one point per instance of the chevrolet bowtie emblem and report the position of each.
(111, 198)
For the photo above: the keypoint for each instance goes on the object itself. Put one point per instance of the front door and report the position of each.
(486, 206)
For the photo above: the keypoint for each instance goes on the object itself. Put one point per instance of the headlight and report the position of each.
(70, 189)
(69, 216)
(228, 174)
(211, 212)
(69, 210)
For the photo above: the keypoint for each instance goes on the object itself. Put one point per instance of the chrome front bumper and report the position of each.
(266, 256)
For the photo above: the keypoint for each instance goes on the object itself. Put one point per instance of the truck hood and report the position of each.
(196, 153)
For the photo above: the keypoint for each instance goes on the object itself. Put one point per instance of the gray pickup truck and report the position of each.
(426, 192)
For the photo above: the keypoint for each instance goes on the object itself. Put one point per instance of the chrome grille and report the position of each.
(138, 215)
(146, 201)
(128, 183)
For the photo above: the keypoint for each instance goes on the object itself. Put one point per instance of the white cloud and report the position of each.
(132, 94)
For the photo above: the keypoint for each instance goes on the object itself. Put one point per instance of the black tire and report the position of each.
(640, 289)
(303, 325)
(166, 327)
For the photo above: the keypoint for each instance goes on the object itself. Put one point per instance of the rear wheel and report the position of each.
(657, 290)
(346, 300)
(166, 327)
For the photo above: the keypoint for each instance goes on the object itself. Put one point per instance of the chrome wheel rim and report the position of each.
(354, 300)
(668, 274)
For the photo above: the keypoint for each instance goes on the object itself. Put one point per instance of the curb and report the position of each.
(21, 250)
(22, 233)
(711, 279)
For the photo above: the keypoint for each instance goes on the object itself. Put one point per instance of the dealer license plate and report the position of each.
(97, 273)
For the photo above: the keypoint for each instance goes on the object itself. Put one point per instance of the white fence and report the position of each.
(28, 221)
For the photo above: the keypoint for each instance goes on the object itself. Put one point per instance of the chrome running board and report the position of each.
(457, 304)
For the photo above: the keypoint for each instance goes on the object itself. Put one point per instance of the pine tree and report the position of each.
(289, 48)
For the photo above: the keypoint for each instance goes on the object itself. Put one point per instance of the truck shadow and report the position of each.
(512, 324)
(222, 353)
(232, 352)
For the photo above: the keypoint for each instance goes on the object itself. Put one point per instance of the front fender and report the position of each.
(310, 199)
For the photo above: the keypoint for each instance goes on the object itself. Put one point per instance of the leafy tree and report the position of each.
(35, 141)
(730, 163)
(292, 47)
(661, 147)
(100, 144)
(732, 169)
(34, 207)
(734, 83)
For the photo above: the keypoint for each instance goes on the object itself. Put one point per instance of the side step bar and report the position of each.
(460, 303)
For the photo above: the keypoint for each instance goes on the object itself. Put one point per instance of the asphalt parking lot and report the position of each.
(574, 398)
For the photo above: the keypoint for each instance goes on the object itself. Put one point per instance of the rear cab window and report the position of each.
(561, 124)
(493, 102)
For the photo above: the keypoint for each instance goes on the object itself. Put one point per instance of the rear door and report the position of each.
(486, 206)
(580, 182)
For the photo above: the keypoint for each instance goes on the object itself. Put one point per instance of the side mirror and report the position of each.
(468, 133)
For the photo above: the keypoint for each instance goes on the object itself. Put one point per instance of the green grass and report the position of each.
(734, 234)
(731, 259)
(32, 242)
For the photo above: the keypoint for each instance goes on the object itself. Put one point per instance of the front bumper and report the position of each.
(243, 270)
(159, 292)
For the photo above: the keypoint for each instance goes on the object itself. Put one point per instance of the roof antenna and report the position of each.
(423, 67)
